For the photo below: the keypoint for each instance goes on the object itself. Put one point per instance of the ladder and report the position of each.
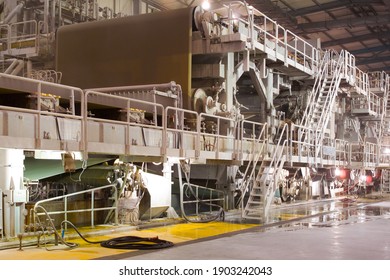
(265, 182)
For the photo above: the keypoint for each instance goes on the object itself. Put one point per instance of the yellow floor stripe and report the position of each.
(175, 233)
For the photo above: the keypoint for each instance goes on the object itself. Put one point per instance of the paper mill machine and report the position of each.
(242, 105)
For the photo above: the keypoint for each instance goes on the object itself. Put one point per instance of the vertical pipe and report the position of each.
(53, 16)
(59, 13)
(11, 178)
(116, 204)
(46, 16)
(92, 209)
(66, 211)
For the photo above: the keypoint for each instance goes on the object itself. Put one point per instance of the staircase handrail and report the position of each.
(316, 90)
(276, 164)
(245, 186)
(336, 70)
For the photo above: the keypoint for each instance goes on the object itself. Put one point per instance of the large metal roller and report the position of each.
(134, 50)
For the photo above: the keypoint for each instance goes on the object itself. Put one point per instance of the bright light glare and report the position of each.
(206, 5)
(386, 151)
(337, 171)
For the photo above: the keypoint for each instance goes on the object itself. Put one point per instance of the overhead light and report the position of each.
(206, 5)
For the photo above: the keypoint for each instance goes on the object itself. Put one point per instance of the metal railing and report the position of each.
(199, 196)
(92, 209)
(258, 139)
(276, 165)
(16, 42)
(315, 93)
(120, 130)
(39, 90)
(267, 35)
(362, 82)
(377, 80)
(369, 102)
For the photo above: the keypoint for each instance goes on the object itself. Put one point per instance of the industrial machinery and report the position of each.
(251, 114)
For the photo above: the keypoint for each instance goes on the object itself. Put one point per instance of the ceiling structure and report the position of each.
(362, 27)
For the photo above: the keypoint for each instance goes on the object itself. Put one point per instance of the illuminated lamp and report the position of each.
(343, 174)
(206, 5)
(368, 179)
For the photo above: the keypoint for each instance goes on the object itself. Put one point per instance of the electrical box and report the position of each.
(16, 196)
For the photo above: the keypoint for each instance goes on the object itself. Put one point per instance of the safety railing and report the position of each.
(43, 128)
(65, 200)
(342, 148)
(255, 134)
(371, 153)
(362, 82)
(5, 43)
(302, 142)
(301, 52)
(316, 91)
(17, 40)
(267, 35)
(116, 132)
(350, 68)
(217, 134)
(377, 80)
(370, 103)
(201, 200)
(269, 183)
(384, 155)
(184, 136)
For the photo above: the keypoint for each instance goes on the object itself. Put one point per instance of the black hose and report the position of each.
(136, 243)
(126, 242)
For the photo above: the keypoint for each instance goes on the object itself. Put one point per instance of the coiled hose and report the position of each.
(125, 242)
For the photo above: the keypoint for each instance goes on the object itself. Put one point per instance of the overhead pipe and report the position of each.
(16, 11)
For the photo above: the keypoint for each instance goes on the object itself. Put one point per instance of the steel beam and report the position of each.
(348, 23)
(330, 6)
(370, 36)
(372, 49)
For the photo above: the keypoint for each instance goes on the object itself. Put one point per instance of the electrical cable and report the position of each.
(126, 242)
(219, 215)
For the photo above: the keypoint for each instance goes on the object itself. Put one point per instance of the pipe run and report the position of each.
(16, 11)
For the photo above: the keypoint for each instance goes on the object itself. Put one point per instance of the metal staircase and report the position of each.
(253, 164)
(384, 123)
(385, 180)
(265, 182)
(321, 101)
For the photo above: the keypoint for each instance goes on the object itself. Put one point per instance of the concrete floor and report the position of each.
(340, 229)
(346, 231)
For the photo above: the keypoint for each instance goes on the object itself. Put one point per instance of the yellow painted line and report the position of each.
(175, 233)
(287, 216)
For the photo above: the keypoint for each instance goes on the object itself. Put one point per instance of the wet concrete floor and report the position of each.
(315, 230)
(331, 230)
